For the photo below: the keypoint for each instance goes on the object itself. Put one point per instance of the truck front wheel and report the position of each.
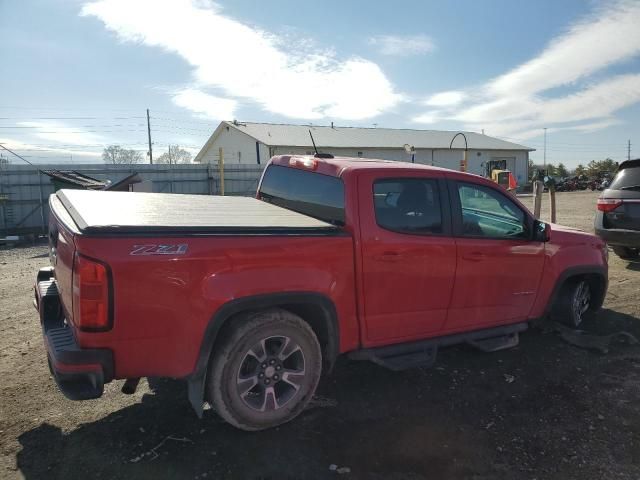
(265, 370)
(573, 303)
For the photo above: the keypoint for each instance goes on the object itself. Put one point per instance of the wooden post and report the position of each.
(221, 169)
(538, 188)
(209, 179)
(552, 200)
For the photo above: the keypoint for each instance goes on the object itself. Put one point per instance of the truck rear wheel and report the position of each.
(265, 371)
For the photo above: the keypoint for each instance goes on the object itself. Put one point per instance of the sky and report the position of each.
(78, 76)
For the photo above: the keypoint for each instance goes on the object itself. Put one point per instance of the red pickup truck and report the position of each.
(250, 299)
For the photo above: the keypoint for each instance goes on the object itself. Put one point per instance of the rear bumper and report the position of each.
(616, 236)
(79, 373)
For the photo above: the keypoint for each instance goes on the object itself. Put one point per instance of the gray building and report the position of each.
(255, 143)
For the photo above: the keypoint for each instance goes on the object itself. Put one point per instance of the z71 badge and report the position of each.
(179, 249)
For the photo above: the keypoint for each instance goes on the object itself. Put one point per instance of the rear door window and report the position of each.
(310, 193)
(408, 205)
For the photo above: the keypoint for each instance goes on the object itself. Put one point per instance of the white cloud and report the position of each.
(519, 102)
(246, 63)
(446, 99)
(591, 127)
(606, 37)
(597, 101)
(208, 106)
(402, 45)
(428, 117)
(20, 146)
(63, 134)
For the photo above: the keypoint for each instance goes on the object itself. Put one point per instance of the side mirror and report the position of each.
(541, 231)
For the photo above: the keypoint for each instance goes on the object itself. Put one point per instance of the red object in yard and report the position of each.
(247, 299)
(512, 182)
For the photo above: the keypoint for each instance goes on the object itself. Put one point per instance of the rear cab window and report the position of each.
(310, 193)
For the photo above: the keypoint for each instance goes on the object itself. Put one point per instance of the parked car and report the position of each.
(618, 211)
(250, 299)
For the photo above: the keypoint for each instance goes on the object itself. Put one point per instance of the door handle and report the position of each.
(475, 256)
(389, 257)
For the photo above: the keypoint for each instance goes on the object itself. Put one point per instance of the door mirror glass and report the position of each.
(541, 231)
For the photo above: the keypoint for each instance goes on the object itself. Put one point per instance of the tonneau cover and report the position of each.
(128, 212)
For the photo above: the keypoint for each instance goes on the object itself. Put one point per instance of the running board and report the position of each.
(423, 353)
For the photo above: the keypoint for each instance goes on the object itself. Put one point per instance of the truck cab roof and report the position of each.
(338, 166)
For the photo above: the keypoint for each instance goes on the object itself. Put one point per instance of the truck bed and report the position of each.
(104, 212)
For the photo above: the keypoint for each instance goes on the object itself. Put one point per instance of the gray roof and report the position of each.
(272, 134)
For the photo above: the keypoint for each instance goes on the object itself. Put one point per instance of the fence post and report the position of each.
(538, 188)
(221, 170)
(209, 179)
(552, 201)
(44, 225)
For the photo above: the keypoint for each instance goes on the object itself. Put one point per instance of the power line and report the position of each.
(69, 118)
(74, 126)
(19, 156)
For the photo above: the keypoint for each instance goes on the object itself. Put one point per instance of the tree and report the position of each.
(117, 155)
(551, 170)
(562, 171)
(580, 170)
(174, 155)
(598, 168)
(531, 168)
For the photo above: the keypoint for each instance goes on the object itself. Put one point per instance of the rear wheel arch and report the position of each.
(315, 309)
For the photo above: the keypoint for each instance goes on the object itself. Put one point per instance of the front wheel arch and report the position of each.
(595, 275)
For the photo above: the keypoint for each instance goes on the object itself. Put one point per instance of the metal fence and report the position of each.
(24, 190)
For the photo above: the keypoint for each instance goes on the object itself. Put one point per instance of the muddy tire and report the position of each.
(627, 253)
(573, 303)
(265, 370)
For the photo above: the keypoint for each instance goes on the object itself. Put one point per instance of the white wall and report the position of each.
(516, 159)
(238, 147)
(241, 148)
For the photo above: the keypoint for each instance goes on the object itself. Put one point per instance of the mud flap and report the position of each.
(195, 387)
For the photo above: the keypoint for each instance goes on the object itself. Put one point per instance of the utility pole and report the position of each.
(628, 149)
(544, 163)
(149, 134)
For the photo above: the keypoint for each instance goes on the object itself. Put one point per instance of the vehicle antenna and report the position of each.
(312, 141)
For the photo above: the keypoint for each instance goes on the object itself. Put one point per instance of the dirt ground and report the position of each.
(543, 410)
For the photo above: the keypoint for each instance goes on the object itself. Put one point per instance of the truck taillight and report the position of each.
(608, 204)
(91, 295)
